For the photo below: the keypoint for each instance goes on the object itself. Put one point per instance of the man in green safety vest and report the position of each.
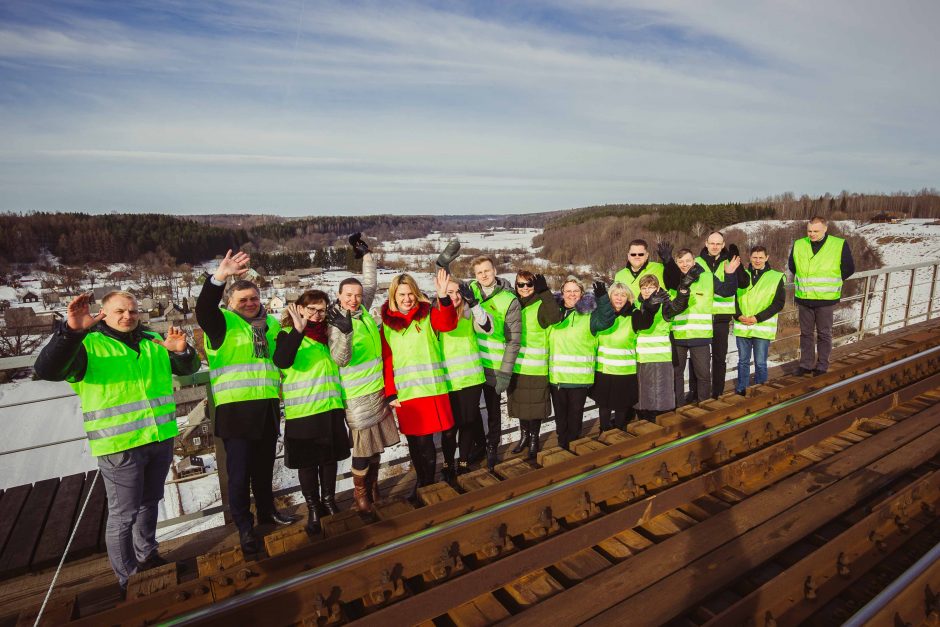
(245, 387)
(498, 349)
(638, 266)
(123, 375)
(819, 263)
(760, 298)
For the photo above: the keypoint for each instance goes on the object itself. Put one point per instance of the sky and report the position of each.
(298, 107)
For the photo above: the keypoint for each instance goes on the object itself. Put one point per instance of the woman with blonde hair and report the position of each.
(615, 383)
(415, 377)
(315, 436)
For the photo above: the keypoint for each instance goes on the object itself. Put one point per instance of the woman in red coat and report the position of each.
(415, 381)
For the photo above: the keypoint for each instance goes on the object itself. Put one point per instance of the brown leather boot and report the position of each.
(361, 493)
(372, 482)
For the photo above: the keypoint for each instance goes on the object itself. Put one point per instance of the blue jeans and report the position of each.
(133, 480)
(759, 347)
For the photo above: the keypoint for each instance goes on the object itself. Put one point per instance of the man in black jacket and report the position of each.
(249, 422)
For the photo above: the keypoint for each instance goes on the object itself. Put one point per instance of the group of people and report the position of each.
(350, 385)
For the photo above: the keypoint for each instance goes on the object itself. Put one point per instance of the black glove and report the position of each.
(658, 297)
(448, 255)
(359, 246)
(733, 250)
(599, 289)
(664, 250)
(690, 277)
(338, 319)
(541, 285)
(467, 295)
(503, 379)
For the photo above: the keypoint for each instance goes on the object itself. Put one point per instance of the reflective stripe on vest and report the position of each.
(493, 346)
(819, 276)
(418, 369)
(572, 350)
(127, 398)
(462, 359)
(363, 374)
(533, 343)
(653, 344)
(616, 348)
(754, 299)
(626, 277)
(312, 385)
(235, 374)
(696, 321)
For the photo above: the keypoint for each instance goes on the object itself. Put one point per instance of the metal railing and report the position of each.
(875, 301)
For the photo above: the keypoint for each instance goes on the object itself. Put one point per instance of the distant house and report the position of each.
(50, 299)
(195, 437)
(29, 296)
(308, 272)
(104, 290)
(26, 319)
(120, 275)
(885, 218)
(275, 304)
(174, 314)
(286, 281)
(4, 305)
(189, 466)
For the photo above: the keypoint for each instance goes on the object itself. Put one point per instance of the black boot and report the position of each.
(328, 487)
(249, 542)
(449, 474)
(313, 513)
(430, 463)
(535, 443)
(491, 459)
(524, 438)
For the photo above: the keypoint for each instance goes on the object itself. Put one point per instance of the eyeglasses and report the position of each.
(637, 254)
(524, 284)
(316, 311)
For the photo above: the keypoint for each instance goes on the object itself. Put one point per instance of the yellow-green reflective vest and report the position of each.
(572, 350)
(493, 346)
(533, 344)
(311, 386)
(418, 368)
(626, 277)
(754, 299)
(616, 347)
(234, 372)
(127, 399)
(720, 304)
(652, 344)
(462, 359)
(819, 276)
(363, 374)
(696, 321)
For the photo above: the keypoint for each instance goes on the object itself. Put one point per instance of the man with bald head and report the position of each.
(123, 375)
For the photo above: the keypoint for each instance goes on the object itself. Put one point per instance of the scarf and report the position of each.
(259, 327)
(316, 331)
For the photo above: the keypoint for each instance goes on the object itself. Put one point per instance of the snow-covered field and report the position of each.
(33, 412)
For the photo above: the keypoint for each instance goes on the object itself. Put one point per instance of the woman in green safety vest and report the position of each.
(465, 378)
(615, 383)
(529, 400)
(572, 351)
(415, 377)
(761, 296)
(653, 346)
(371, 424)
(315, 437)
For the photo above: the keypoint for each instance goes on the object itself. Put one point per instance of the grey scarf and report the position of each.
(259, 327)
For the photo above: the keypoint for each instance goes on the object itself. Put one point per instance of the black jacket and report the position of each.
(780, 296)
(251, 420)
(672, 275)
(64, 358)
(847, 268)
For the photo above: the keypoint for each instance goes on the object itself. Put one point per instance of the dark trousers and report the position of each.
(494, 414)
(569, 413)
(465, 404)
(815, 336)
(250, 465)
(700, 357)
(720, 332)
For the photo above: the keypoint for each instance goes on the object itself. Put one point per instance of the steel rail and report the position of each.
(326, 570)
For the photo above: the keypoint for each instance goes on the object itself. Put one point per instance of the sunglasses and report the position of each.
(524, 284)
(637, 254)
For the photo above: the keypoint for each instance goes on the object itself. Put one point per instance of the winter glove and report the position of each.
(599, 289)
(360, 248)
(541, 285)
(664, 250)
(690, 277)
(448, 255)
(502, 381)
(336, 318)
(658, 297)
(733, 250)
(467, 295)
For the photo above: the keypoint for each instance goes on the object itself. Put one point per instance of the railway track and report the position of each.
(773, 509)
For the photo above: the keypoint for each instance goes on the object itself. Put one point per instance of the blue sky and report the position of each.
(302, 107)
